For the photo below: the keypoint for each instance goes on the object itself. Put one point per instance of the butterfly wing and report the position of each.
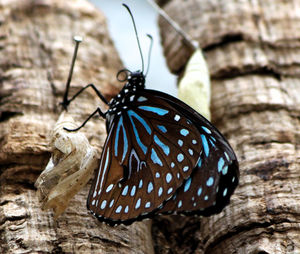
(149, 152)
(207, 191)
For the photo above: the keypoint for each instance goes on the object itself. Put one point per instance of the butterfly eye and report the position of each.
(123, 75)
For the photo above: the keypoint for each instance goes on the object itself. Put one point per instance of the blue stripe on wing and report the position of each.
(205, 144)
(132, 114)
(163, 146)
(156, 110)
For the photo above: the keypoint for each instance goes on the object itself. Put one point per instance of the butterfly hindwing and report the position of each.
(214, 178)
(207, 191)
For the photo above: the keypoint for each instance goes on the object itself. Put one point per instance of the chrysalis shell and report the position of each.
(70, 167)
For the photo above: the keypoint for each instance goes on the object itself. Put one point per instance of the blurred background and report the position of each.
(122, 32)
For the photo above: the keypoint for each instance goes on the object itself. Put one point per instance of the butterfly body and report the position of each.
(160, 156)
(135, 82)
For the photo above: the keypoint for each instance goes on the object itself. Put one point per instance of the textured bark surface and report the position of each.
(253, 52)
(36, 49)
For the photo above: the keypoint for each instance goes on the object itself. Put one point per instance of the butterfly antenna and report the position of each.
(149, 54)
(77, 40)
(136, 35)
(191, 43)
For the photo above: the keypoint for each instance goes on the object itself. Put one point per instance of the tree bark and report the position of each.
(36, 50)
(252, 49)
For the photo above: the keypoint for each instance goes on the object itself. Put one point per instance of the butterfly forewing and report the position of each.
(153, 148)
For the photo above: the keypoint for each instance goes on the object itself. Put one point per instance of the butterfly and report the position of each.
(160, 156)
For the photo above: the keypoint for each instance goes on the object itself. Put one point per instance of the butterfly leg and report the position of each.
(65, 103)
(98, 110)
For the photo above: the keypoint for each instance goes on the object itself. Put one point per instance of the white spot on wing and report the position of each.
(160, 191)
(133, 191)
(119, 208)
(180, 142)
(108, 189)
(125, 191)
(179, 204)
(103, 204)
(150, 187)
(186, 168)
(177, 118)
(111, 203)
(126, 209)
(168, 177)
(138, 203)
(141, 99)
(180, 157)
(141, 183)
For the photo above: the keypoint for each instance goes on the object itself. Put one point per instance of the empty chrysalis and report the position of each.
(194, 86)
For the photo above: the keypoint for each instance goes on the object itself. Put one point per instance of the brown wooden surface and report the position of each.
(35, 55)
(253, 53)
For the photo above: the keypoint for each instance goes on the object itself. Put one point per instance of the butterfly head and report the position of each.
(136, 79)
